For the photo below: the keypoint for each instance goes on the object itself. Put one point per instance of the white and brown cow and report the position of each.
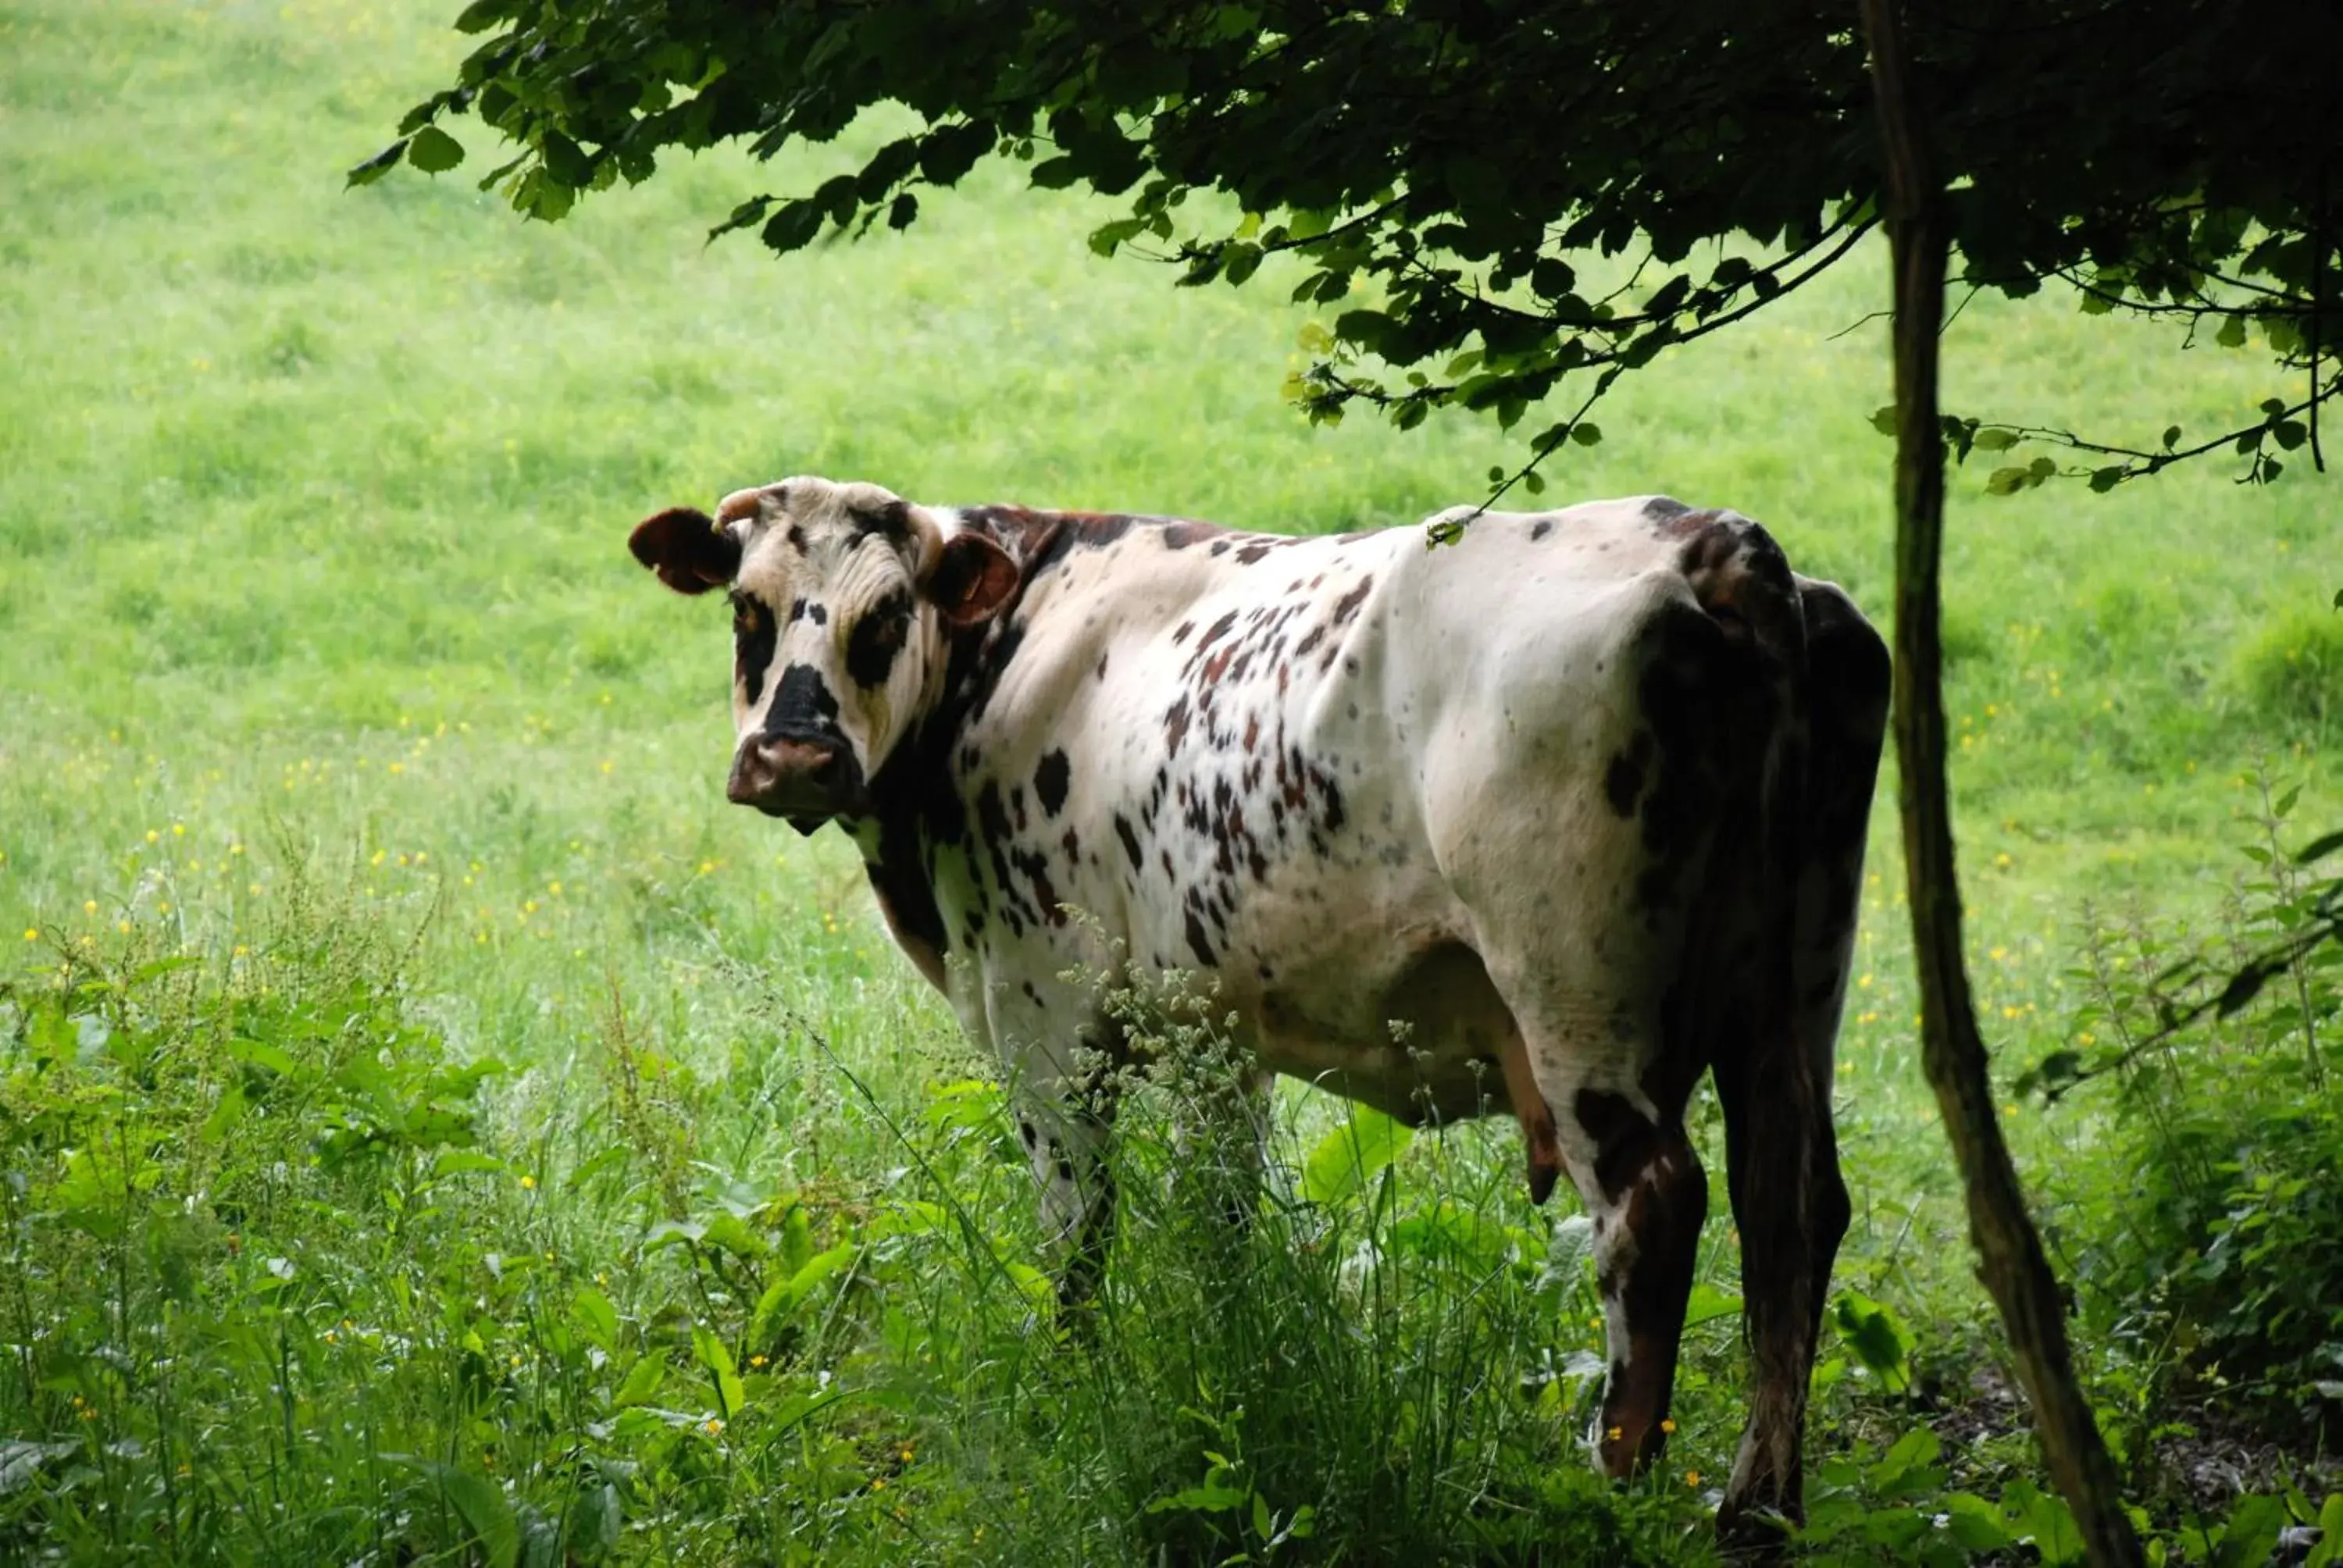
(1580, 798)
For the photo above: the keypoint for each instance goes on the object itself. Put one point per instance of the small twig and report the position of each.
(2151, 462)
(2318, 314)
(2326, 925)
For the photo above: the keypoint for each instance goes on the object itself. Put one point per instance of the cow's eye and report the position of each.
(878, 638)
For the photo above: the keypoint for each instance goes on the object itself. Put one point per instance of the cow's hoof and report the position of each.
(1746, 1533)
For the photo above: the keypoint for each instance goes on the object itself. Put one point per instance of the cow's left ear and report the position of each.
(688, 551)
(972, 579)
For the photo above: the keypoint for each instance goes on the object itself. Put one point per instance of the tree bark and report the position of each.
(2009, 1250)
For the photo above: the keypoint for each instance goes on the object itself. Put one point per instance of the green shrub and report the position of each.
(2291, 670)
(2219, 1250)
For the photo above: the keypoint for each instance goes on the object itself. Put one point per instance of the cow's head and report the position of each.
(842, 599)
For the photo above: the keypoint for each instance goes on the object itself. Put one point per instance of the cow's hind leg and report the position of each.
(1644, 1186)
(1790, 1209)
(1774, 1082)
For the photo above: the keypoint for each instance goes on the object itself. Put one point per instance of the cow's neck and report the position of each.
(918, 812)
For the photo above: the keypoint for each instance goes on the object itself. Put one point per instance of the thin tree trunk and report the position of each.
(2009, 1250)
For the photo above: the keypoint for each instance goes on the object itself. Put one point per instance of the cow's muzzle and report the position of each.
(806, 779)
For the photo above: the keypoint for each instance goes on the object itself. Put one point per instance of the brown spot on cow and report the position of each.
(1625, 1137)
(1622, 781)
(1051, 779)
(1198, 941)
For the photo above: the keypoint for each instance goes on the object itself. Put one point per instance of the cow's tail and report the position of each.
(1785, 888)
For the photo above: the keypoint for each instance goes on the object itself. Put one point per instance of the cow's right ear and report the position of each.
(688, 551)
(972, 578)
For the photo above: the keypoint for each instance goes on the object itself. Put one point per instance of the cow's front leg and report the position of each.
(1064, 1128)
(1647, 1193)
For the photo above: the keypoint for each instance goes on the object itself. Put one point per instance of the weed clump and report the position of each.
(1295, 1355)
(2220, 1259)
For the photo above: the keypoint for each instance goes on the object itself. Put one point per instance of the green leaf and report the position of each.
(381, 163)
(2049, 1523)
(2106, 479)
(597, 1317)
(947, 154)
(1883, 420)
(1707, 1303)
(642, 1383)
(2251, 1533)
(2232, 334)
(566, 161)
(2005, 482)
(1352, 1155)
(225, 1113)
(1878, 1339)
(479, 1502)
(434, 151)
(1990, 439)
(729, 1395)
(595, 1520)
(1915, 1449)
(1586, 433)
(1973, 1523)
(792, 226)
(2171, 437)
(784, 1296)
(2243, 986)
(2329, 1550)
(261, 1053)
(2319, 848)
(731, 1232)
(1461, 1235)
(1263, 1525)
(482, 14)
(2284, 803)
(463, 1162)
(1108, 237)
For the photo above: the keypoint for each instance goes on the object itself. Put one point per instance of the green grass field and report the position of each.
(325, 664)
